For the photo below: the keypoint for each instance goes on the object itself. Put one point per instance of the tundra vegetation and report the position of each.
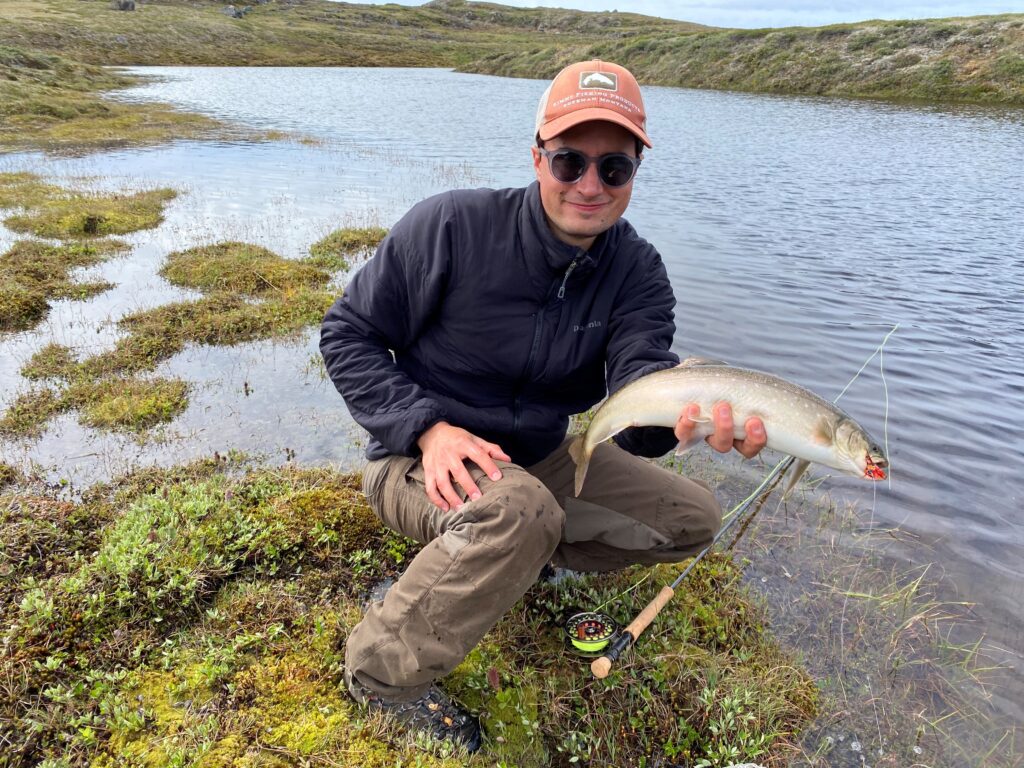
(53, 102)
(196, 616)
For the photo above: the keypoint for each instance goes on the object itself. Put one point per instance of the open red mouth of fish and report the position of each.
(873, 471)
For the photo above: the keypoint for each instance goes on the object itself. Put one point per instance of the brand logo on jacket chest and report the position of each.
(587, 327)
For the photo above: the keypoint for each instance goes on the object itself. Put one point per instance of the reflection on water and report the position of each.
(797, 232)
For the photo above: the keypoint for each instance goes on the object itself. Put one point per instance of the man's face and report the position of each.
(578, 213)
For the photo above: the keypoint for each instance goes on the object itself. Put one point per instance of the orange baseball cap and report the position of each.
(592, 90)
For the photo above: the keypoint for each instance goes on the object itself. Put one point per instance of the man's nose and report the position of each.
(590, 183)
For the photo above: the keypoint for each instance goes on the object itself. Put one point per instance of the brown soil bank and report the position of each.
(964, 59)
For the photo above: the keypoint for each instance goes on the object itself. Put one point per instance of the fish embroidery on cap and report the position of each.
(607, 81)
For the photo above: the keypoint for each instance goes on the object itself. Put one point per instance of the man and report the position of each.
(487, 318)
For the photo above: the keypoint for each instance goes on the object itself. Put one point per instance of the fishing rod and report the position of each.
(603, 665)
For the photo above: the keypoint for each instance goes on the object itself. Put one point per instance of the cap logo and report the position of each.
(607, 81)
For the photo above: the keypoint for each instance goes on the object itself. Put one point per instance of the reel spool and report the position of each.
(590, 633)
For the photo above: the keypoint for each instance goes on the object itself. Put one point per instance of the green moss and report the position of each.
(123, 404)
(53, 361)
(240, 268)
(132, 405)
(33, 273)
(92, 216)
(334, 251)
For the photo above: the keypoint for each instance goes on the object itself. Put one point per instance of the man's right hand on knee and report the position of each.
(445, 449)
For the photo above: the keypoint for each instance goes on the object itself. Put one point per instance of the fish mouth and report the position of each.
(875, 470)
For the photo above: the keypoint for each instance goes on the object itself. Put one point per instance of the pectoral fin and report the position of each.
(799, 467)
(684, 447)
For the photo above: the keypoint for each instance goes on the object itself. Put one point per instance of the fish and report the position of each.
(796, 421)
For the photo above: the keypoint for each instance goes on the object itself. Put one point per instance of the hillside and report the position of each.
(973, 59)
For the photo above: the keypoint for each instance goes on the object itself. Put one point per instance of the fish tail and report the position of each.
(580, 455)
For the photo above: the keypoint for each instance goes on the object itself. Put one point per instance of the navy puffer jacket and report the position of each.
(472, 312)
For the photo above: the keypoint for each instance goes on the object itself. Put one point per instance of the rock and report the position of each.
(236, 13)
(123, 5)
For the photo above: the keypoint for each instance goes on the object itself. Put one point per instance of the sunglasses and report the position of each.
(569, 165)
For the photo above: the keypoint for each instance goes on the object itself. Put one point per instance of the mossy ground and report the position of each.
(200, 620)
(50, 102)
(252, 294)
(55, 212)
(335, 251)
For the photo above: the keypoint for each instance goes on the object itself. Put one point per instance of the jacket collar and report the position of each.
(537, 235)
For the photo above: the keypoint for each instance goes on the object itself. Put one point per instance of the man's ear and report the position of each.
(538, 158)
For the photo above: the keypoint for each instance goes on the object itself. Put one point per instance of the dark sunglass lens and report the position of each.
(616, 170)
(568, 166)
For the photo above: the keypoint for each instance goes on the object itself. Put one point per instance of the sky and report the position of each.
(754, 14)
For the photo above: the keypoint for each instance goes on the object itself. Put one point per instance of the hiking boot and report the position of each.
(432, 712)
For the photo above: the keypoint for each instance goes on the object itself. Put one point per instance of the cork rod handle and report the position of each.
(602, 666)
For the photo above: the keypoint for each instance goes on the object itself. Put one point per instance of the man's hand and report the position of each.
(722, 440)
(444, 449)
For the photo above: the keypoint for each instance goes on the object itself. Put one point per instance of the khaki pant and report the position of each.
(478, 560)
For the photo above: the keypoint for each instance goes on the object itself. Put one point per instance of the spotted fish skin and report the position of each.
(797, 421)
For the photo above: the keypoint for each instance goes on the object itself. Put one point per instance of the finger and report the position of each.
(722, 439)
(686, 424)
(484, 459)
(463, 478)
(497, 453)
(432, 494)
(444, 487)
(755, 440)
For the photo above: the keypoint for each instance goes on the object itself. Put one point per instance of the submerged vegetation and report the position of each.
(199, 617)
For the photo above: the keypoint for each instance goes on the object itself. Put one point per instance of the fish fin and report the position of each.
(799, 467)
(581, 456)
(824, 432)
(576, 448)
(684, 447)
(697, 360)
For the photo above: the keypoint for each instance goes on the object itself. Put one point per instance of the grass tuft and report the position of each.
(79, 216)
(334, 251)
(53, 361)
(132, 405)
(240, 268)
(32, 273)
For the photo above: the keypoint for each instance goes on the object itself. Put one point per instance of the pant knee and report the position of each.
(697, 517)
(520, 509)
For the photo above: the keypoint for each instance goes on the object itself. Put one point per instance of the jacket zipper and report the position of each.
(537, 328)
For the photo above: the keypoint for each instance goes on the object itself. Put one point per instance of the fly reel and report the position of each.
(590, 633)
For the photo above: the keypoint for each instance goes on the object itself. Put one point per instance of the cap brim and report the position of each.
(565, 122)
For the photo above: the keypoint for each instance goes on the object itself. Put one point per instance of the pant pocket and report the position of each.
(373, 480)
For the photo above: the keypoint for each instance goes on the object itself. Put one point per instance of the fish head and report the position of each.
(862, 455)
